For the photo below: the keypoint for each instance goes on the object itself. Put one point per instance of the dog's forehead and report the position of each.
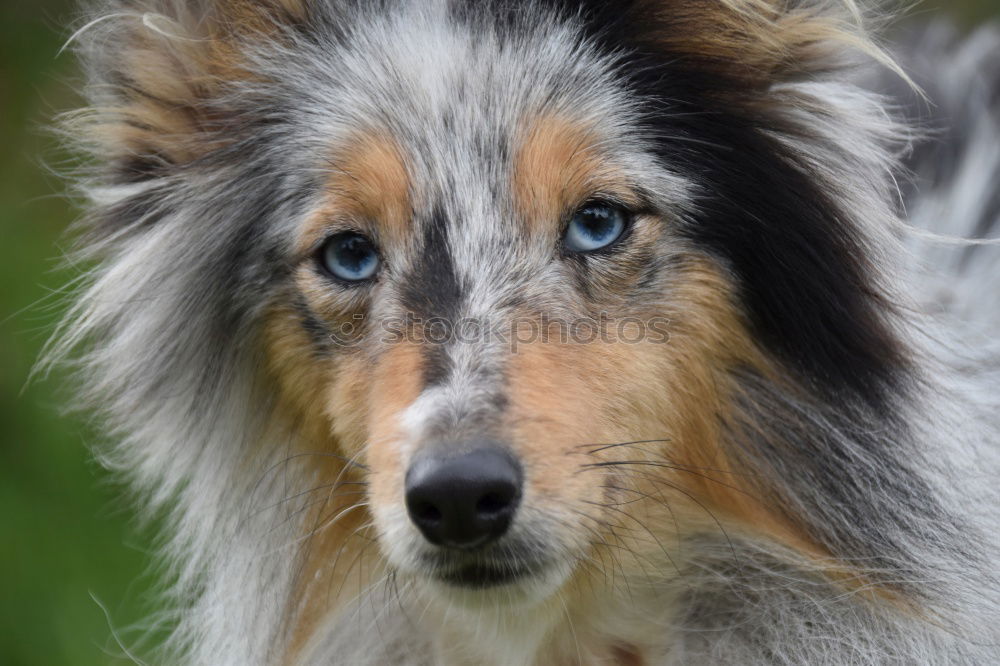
(453, 105)
(424, 67)
(458, 96)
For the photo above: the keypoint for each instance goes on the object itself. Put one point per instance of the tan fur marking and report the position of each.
(761, 42)
(369, 184)
(707, 337)
(293, 363)
(396, 383)
(247, 15)
(337, 561)
(332, 527)
(567, 398)
(557, 167)
(563, 396)
(174, 63)
(364, 403)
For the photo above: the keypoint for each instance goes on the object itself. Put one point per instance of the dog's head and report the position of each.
(549, 279)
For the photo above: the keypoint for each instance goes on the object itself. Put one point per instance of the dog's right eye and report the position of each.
(595, 226)
(349, 257)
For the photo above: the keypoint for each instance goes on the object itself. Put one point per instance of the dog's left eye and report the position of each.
(594, 226)
(350, 257)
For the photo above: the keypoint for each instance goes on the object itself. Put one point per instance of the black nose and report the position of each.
(464, 501)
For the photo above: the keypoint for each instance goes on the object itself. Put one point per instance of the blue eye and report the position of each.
(349, 256)
(594, 226)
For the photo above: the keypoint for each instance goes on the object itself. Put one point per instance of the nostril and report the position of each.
(426, 513)
(493, 504)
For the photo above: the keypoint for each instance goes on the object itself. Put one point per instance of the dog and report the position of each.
(539, 332)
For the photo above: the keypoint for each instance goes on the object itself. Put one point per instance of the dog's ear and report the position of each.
(158, 72)
(764, 41)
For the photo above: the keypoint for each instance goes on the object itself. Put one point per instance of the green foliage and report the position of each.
(65, 528)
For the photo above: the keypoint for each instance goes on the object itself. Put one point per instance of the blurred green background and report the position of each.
(73, 566)
(66, 535)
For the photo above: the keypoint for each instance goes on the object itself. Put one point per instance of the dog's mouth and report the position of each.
(483, 576)
(485, 570)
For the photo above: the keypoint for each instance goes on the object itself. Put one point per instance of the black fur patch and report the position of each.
(138, 212)
(314, 327)
(432, 291)
(802, 271)
(805, 283)
(141, 166)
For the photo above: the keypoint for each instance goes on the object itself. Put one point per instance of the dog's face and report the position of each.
(501, 308)
(491, 290)
(519, 268)
(502, 302)
(495, 287)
